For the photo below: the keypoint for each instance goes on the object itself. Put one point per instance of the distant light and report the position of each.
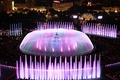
(89, 3)
(75, 16)
(12, 5)
(100, 17)
(116, 11)
(57, 1)
(80, 18)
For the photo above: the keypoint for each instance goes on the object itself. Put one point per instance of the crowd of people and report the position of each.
(9, 51)
(109, 49)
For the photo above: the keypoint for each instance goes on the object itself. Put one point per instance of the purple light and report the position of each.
(59, 70)
(100, 30)
(0, 71)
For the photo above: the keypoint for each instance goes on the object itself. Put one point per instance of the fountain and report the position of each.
(58, 70)
(54, 25)
(56, 44)
(104, 30)
(15, 29)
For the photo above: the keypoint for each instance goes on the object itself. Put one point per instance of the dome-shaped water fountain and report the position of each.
(56, 42)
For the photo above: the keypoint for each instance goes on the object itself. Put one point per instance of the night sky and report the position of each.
(20, 1)
(38, 2)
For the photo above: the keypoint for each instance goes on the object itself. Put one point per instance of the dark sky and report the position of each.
(19, 1)
(38, 2)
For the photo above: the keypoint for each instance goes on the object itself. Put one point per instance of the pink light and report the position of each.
(40, 47)
(61, 49)
(68, 48)
(53, 49)
(45, 48)
(73, 47)
(66, 40)
(75, 44)
(17, 71)
(56, 1)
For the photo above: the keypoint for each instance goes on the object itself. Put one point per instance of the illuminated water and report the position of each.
(105, 30)
(54, 25)
(15, 29)
(75, 68)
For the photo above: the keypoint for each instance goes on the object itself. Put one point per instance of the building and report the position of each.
(111, 9)
(46, 3)
(78, 2)
(62, 6)
(30, 3)
(7, 5)
(1, 5)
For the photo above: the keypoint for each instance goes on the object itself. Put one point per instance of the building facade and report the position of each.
(6, 5)
(30, 3)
